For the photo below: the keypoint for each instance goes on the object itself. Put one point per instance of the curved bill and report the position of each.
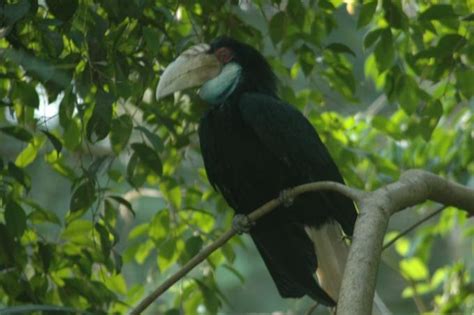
(192, 68)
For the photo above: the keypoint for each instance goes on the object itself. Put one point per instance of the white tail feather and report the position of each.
(332, 251)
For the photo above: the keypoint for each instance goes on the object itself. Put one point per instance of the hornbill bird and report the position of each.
(255, 146)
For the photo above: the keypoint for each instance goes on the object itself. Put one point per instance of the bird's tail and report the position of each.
(332, 251)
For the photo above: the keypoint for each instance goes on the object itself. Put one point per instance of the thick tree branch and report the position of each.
(413, 187)
(358, 287)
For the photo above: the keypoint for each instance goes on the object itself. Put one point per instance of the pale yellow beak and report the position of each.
(191, 69)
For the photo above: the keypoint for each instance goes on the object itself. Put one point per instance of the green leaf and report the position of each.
(168, 253)
(136, 171)
(438, 12)
(83, 197)
(123, 202)
(402, 246)
(25, 95)
(78, 231)
(19, 175)
(193, 245)
(387, 126)
(446, 46)
(46, 253)
(235, 272)
(149, 157)
(27, 156)
(40, 215)
(384, 51)
(17, 132)
(465, 82)
(277, 27)
(340, 48)
(120, 132)
(430, 115)
(72, 134)
(393, 14)
(62, 9)
(15, 219)
(407, 91)
(160, 226)
(98, 126)
(58, 146)
(366, 13)
(469, 17)
(154, 139)
(372, 37)
(105, 242)
(66, 108)
(414, 269)
(16, 11)
(151, 36)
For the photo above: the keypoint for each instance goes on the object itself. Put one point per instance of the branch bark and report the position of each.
(413, 187)
(358, 286)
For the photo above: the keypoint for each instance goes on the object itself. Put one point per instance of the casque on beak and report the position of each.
(192, 68)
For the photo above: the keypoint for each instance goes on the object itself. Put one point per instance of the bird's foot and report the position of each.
(285, 198)
(242, 223)
(346, 238)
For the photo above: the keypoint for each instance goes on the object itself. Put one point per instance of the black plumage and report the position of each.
(255, 146)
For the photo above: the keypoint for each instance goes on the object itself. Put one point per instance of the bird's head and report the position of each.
(223, 69)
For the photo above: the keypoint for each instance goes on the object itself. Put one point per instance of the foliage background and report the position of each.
(102, 189)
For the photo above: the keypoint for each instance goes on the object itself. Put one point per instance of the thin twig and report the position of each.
(412, 227)
(312, 308)
(351, 193)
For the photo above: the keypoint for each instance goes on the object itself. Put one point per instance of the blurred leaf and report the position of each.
(149, 157)
(105, 242)
(62, 9)
(407, 91)
(384, 51)
(340, 48)
(438, 12)
(72, 134)
(40, 215)
(19, 175)
(83, 197)
(46, 253)
(25, 95)
(154, 139)
(58, 146)
(366, 13)
(402, 246)
(123, 202)
(393, 14)
(99, 123)
(277, 27)
(465, 82)
(15, 219)
(17, 132)
(193, 246)
(151, 36)
(27, 156)
(414, 269)
(16, 11)
(78, 231)
(372, 37)
(120, 132)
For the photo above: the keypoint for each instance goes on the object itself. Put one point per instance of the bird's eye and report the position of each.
(224, 55)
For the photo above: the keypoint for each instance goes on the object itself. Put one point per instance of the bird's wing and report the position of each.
(292, 139)
(214, 167)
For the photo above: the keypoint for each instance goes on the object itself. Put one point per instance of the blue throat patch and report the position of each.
(216, 90)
